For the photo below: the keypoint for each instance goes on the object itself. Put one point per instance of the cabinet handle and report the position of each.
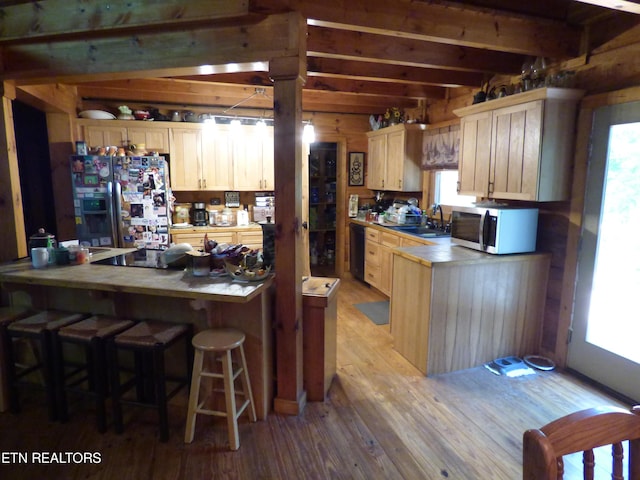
(199, 183)
(204, 183)
(458, 186)
(400, 184)
(491, 187)
(383, 183)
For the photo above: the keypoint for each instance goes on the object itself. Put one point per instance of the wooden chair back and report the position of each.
(583, 431)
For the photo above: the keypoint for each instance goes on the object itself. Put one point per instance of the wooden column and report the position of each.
(13, 241)
(61, 146)
(288, 74)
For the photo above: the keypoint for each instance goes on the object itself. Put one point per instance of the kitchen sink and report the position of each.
(419, 231)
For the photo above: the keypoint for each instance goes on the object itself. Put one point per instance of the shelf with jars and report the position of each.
(322, 207)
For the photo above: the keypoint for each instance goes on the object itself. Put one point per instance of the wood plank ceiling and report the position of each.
(363, 56)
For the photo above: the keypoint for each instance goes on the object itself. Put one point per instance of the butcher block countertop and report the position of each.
(149, 281)
(446, 252)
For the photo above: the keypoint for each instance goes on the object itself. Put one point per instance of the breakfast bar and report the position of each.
(156, 294)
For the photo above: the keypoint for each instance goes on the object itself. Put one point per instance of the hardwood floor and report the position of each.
(382, 420)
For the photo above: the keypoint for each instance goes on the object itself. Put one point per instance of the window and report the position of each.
(446, 182)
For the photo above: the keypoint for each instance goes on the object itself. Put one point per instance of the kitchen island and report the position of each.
(158, 294)
(454, 308)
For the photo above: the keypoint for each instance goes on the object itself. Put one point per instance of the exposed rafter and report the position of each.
(362, 55)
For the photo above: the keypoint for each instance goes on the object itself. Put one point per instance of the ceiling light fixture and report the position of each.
(309, 133)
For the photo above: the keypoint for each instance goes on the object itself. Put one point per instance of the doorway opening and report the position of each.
(323, 157)
(605, 328)
(32, 146)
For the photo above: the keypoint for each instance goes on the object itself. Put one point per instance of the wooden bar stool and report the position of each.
(222, 342)
(38, 327)
(7, 315)
(88, 376)
(148, 341)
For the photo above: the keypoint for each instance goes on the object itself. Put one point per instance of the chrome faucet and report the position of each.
(434, 209)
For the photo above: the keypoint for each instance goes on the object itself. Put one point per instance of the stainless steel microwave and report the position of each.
(497, 230)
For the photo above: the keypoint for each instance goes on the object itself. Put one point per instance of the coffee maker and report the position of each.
(200, 216)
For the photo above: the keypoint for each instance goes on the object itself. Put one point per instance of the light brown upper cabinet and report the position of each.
(519, 147)
(253, 162)
(395, 154)
(202, 156)
(119, 133)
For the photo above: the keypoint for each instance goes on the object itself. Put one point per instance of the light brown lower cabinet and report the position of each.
(452, 315)
(378, 259)
(251, 237)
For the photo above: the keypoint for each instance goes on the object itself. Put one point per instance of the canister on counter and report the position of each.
(181, 213)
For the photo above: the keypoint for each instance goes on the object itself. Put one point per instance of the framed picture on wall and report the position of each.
(356, 168)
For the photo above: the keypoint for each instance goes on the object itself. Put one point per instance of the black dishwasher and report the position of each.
(356, 250)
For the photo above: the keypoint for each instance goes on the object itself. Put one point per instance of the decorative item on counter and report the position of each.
(539, 72)
(175, 256)
(375, 122)
(142, 115)
(481, 96)
(39, 257)
(198, 263)
(181, 214)
(251, 267)
(353, 206)
(242, 218)
(393, 116)
(81, 148)
(97, 115)
(125, 113)
(139, 149)
(189, 116)
(42, 239)
(61, 256)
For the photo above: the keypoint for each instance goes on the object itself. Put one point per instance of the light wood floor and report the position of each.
(382, 420)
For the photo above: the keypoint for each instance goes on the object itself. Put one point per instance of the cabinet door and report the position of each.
(268, 163)
(217, 169)
(376, 164)
(386, 270)
(475, 154)
(104, 136)
(410, 311)
(515, 158)
(395, 160)
(196, 240)
(154, 139)
(185, 150)
(250, 238)
(247, 159)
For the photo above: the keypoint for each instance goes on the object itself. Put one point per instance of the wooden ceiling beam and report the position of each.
(357, 70)
(333, 84)
(619, 5)
(222, 95)
(351, 45)
(385, 89)
(47, 19)
(434, 22)
(149, 54)
(317, 66)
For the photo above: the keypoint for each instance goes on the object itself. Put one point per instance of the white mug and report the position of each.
(39, 257)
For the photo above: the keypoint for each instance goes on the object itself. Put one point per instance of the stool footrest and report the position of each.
(220, 413)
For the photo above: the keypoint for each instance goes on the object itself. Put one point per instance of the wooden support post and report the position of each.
(13, 241)
(288, 74)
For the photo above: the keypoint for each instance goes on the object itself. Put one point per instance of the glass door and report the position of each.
(605, 343)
